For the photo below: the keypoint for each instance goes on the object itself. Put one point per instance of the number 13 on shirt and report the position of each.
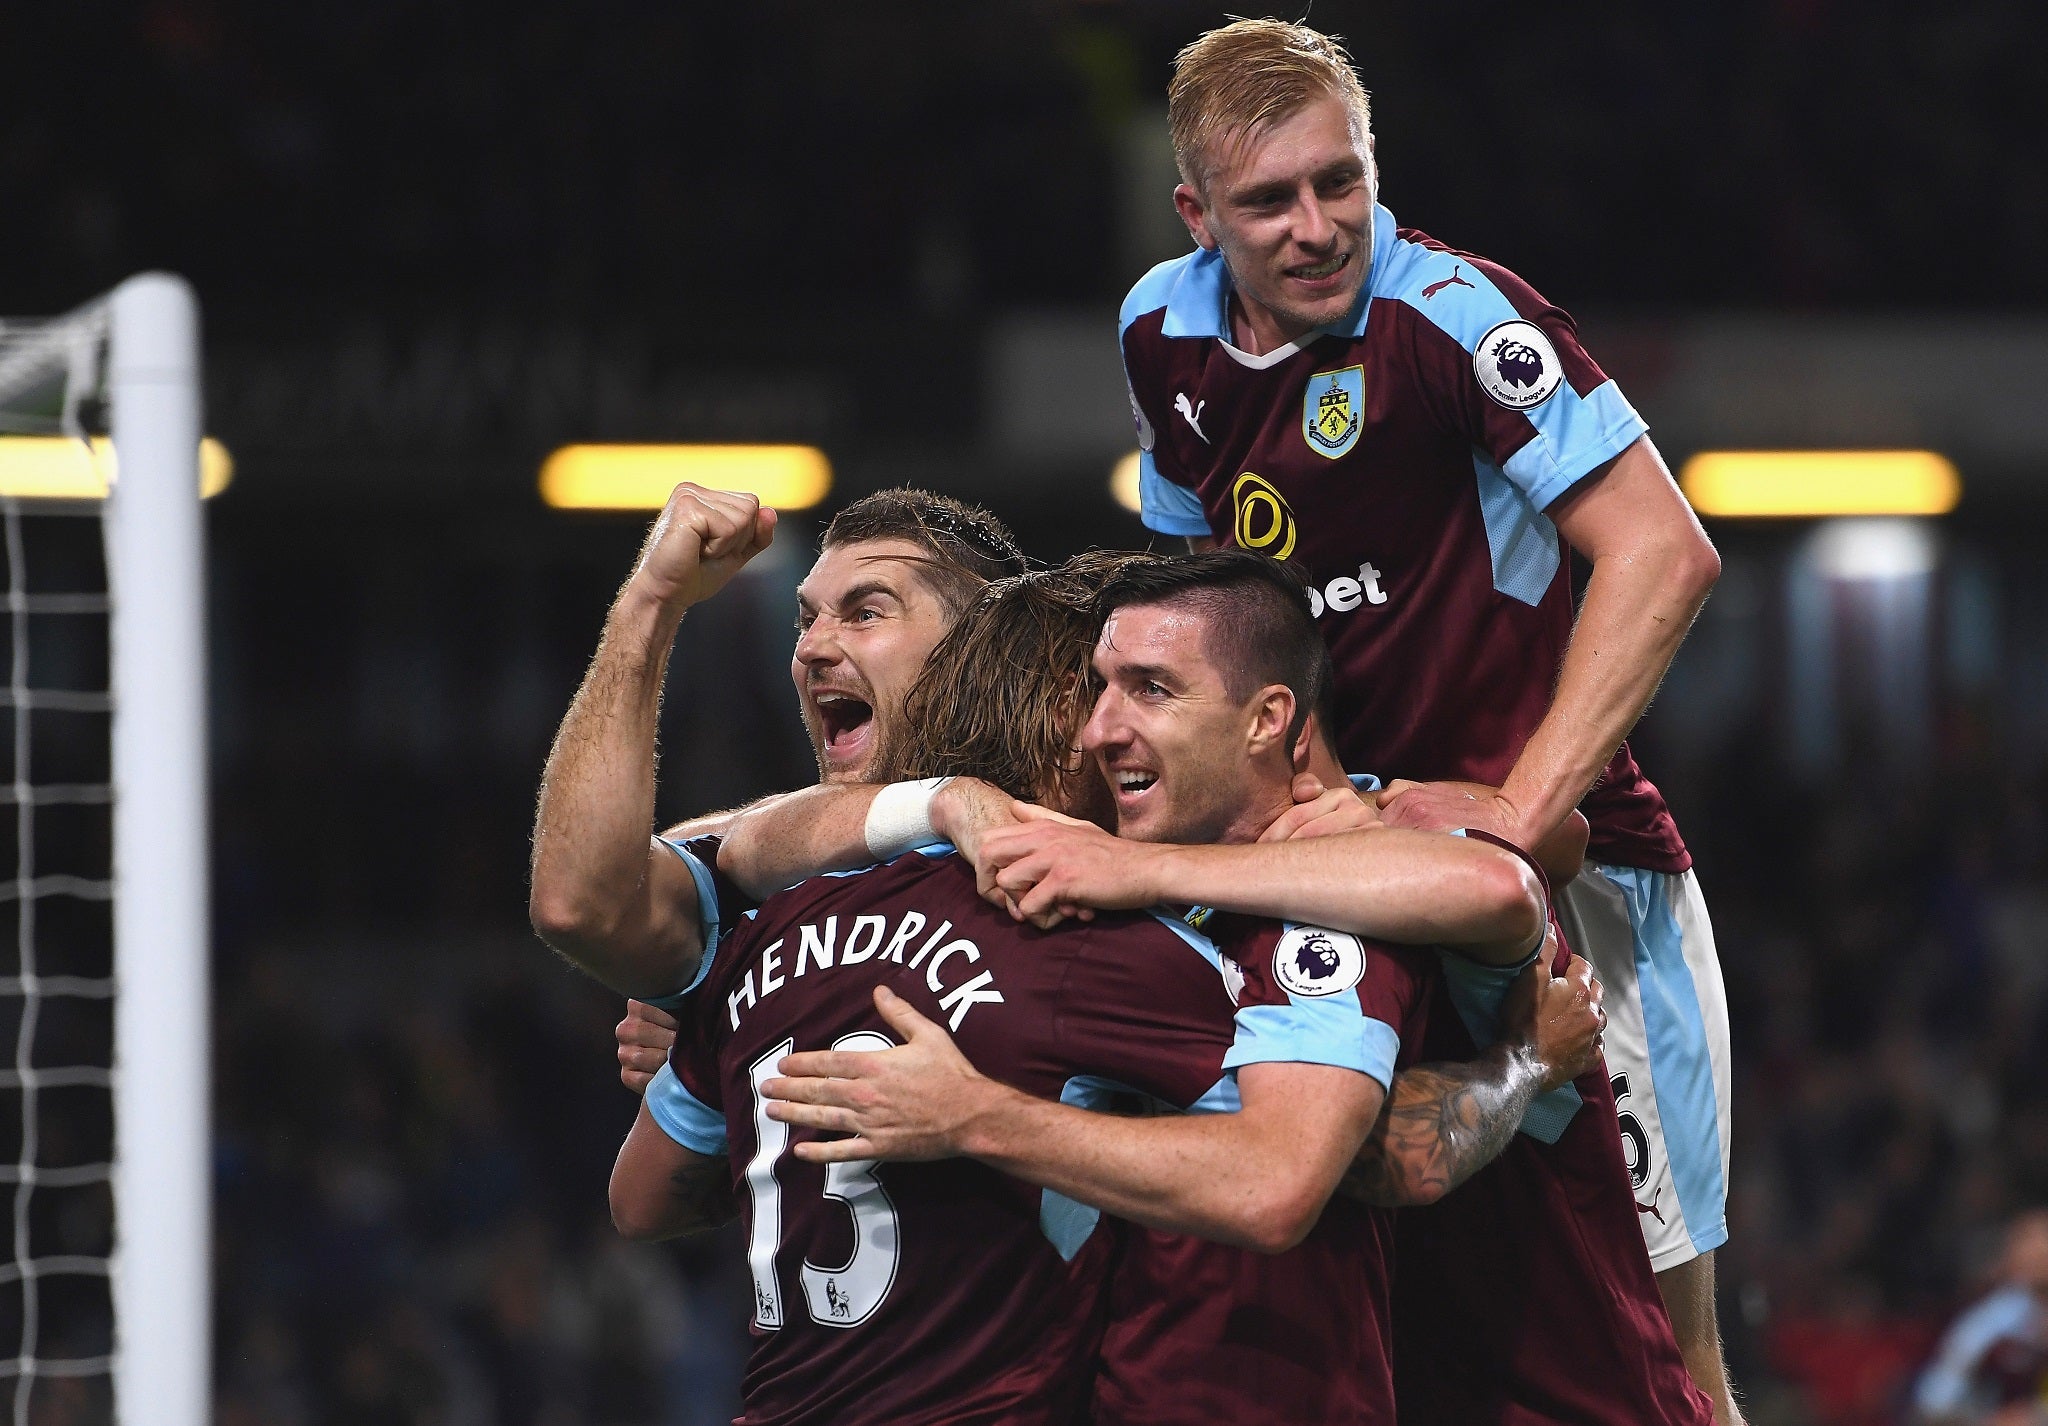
(849, 1294)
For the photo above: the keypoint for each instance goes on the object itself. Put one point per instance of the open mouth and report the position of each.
(1131, 782)
(845, 721)
(1322, 271)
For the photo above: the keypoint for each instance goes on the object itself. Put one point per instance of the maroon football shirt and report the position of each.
(1201, 1333)
(928, 1292)
(1403, 461)
(1525, 1296)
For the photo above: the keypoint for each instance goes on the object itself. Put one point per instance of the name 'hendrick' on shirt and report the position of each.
(872, 939)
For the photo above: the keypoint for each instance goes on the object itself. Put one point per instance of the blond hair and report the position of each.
(1232, 82)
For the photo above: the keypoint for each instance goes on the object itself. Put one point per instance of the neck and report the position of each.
(1261, 812)
(1257, 330)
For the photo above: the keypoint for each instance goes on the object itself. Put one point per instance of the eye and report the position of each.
(867, 613)
(1154, 690)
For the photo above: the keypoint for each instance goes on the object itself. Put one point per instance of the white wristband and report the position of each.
(900, 818)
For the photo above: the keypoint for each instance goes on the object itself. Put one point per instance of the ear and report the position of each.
(1195, 213)
(1272, 709)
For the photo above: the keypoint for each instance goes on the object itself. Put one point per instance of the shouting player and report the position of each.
(893, 572)
(1219, 654)
(1414, 427)
(947, 1292)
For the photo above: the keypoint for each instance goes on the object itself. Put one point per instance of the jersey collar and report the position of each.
(1199, 304)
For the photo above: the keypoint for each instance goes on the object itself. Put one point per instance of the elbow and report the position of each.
(635, 1218)
(1698, 565)
(562, 919)
(1422, 1194)
(1515, 896)
(1283, 1220)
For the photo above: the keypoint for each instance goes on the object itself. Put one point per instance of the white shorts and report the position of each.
(1649, 939)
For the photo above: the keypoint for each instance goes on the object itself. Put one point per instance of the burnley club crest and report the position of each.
(1333, 410)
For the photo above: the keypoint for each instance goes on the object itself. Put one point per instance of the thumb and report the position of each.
(1032, 812)
(902, 1016)
(1307, 787)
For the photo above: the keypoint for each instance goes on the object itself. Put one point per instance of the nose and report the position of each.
(818, 644)
(1313, 228)
(1103, 726)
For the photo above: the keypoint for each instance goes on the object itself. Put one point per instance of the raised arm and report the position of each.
(604, 894)
(1257, 1178)
(1416, 887)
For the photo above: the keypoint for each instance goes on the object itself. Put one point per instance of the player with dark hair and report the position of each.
(1548, 1227)
(949, 1292)
(1194, 1328)
(1414, 428)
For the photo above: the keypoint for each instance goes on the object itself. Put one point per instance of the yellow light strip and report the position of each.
(1809, 484)
(60, 468)
(597, 477)
(1123, 484)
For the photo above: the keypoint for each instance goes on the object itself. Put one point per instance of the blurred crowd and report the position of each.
(1884, 944)
(412, 1222)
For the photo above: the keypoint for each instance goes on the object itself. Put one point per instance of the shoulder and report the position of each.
(1186, 294)
(1454, 294)
(1152, 952)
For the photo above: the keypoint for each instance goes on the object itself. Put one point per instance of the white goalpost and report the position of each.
(133, 355)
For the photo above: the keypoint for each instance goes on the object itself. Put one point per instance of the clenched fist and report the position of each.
(702, 539)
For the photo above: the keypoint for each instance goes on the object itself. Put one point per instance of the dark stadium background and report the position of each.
(434, 241)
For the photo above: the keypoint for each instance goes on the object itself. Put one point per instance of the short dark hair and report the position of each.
(1260, 628)
(964, 545)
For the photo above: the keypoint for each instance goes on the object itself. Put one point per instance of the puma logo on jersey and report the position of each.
(1192, 413)
(1454, 280)
(1651, 1207)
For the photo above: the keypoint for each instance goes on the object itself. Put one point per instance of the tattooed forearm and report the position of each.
(1441, 1124)
(702, 1195)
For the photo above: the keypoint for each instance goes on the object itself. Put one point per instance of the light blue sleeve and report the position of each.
(1166, 507)
(1327, 1030)
(1310, 1030)
(683, 1117)
(1574, 433)
(707, 912)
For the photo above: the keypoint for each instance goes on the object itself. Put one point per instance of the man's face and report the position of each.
(1291, 209)
(1174, 746)
(866, 623)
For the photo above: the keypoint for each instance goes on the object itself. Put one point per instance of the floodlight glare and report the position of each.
(621, 477)
(61, 468)
(1123, 484)
(1791, 484)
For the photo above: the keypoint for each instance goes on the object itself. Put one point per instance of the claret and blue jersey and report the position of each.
(948, 1291)
(1404, 461)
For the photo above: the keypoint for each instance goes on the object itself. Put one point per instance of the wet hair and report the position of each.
(1259, 629)
(1234, 81)
(1006, 692)
(964, 546)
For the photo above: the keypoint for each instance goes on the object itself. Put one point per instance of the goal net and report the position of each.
(105, 1309)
